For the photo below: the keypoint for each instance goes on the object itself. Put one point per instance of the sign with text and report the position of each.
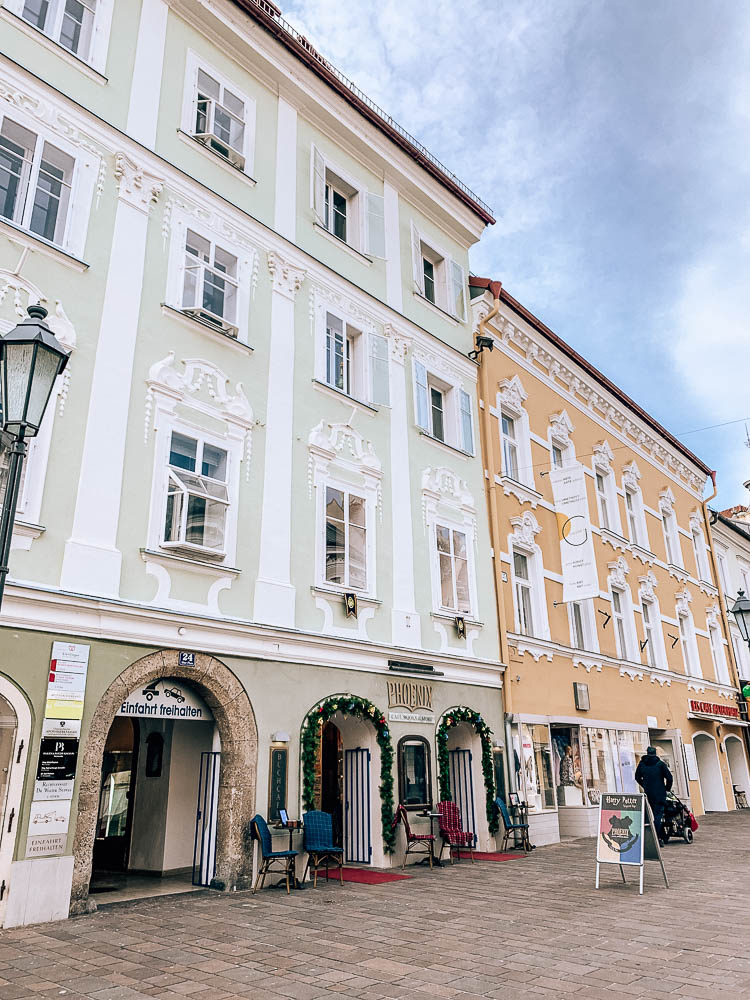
(45, 846)
(620, 840)
(711, 708)
(277, 781)
(426, 718)
(580, 579)
(410, 695)
(166, 698)
(66, 684)
(57, 760)
(65, 728)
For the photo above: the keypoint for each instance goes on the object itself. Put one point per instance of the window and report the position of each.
(510, 446)
(335, 213)
(220, 119)
(721, 560)
(443, 411)
(69, 22)
(649, 635)
(701, 556)
(346, 539)
(719, 656)
(454, 570)
(633, 518)
(537, 767)
(621, 631)
(339, 354)
(344, 209)
(576, 621)
(414, 778)
(35, 182)
(210, 283)
(740, 656)
(350, 361)
(197, 496)
(437, 277)
(609, 759)
(671, 539)
(689, 645)
(557, 457)
(603, 501)
(524, 601)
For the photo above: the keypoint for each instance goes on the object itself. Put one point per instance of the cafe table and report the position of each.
(432, 816)
(293, 826)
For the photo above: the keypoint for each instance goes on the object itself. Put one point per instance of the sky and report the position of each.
(612, 140)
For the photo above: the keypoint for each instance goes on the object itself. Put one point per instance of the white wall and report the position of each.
(150, 810)
(189, 740)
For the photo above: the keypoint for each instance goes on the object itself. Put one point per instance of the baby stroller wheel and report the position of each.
(688, 835)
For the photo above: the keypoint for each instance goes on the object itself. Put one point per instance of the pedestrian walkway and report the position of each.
(534, 927)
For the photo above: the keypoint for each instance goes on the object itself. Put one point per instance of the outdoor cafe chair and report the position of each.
(452, 831)
(512, 828)
(419, 843)
(321, 851)
(270, 857)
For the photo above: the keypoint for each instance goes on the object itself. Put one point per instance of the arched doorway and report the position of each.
(235, 779)
(15, 733)
(709, 772)
(349, 756)
(738, 764)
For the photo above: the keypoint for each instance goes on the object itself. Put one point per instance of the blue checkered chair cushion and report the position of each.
(319, 833)
(266, 843)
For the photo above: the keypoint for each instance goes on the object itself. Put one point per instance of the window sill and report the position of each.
(192, 322)
(614, 539)
(34, 242)
(450, 447)
(52, 46)
(361, 257)
(450, 616)
(526, 494)
(644, 555)
(215, 157)
(24, 533)
(204, 564)
(329, 591)
(678, 571)
(438, 309)
(343, 396)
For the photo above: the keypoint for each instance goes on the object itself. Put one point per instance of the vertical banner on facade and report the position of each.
(58, 750)
(580, 579)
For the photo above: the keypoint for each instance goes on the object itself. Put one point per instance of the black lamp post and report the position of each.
(741, 612)
(31, 358)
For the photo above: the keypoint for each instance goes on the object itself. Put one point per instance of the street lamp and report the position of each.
(31, 358)
(741, 612)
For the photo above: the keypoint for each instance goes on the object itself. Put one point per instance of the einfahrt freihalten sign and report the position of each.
(626, 834)
(166, 698)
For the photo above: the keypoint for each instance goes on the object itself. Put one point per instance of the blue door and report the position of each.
(357, 840)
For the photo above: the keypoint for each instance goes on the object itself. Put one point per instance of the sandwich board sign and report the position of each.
(626, 834)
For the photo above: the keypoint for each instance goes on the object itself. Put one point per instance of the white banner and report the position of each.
(580, 578)
(166, 698)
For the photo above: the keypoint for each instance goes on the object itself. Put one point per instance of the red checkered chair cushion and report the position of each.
(402, 817)
(450, 825)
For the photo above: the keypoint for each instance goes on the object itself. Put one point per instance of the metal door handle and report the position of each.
(10, 821)
(20, 748)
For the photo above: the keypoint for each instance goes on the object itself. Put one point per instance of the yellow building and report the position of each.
(611, 623)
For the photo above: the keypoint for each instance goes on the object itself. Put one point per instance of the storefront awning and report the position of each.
(723, 719)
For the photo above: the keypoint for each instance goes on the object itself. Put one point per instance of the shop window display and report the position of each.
(609, 759)
(566, 754)
(537, 767)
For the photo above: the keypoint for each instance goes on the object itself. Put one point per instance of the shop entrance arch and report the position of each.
(709, 772)
(15, 734)
(128, 748)
(738, 764)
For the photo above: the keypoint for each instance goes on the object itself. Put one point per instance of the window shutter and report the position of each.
(375, 243)
(318, 191)
(467, 426)
(416, 256)
(379, 387)
(420, 377)
(457, 290)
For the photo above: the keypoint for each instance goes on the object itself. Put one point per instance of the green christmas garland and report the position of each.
(448, 720)
(349, 704)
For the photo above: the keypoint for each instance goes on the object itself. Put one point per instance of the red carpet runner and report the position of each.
(490, 856)
(365, 876)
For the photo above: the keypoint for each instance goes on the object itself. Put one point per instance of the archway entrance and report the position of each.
(156, 824)
(168, 780)
(738, 765)
(346, 751)
(709, 771)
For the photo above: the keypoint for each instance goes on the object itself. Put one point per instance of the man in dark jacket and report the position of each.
(655, 778)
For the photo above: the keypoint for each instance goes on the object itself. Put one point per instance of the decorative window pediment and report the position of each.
(560, 429)
(618, 573)
(696, 521)
(631, 477)
(511, 395)
(713, 616)
(666, 501)
(443, 485)
(338, 449)
(603, 457)
(525, 529)
(202, 385)
(683, 600)
(647, 585)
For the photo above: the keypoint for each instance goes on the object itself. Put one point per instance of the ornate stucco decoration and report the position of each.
(696, 521)
(618, 572)
(204, 387)
(713, 616)
(398, 343)
(324, 299)
(683, 600)
(525, 529)
(647, 585)
(511, 395)
(136, 185)
(560, 428)
(286, 277)
(603, 457)
(443, 490)
(666, 501)
(631, 477)
(341, 448)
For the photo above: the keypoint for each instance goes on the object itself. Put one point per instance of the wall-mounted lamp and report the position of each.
(460, 627)
(482, 342)
(280, 737)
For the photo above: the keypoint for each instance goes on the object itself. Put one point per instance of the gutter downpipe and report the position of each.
(489, 464)
(741, 701)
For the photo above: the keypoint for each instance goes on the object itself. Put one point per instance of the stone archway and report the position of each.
(233, 713)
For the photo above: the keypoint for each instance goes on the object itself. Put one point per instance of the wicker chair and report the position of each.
(416, 843)
(321, 851)
(285, 858)
(452, 831)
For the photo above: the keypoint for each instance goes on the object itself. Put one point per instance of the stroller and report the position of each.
(678, 820)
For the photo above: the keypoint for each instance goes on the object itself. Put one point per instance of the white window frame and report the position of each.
(365, 210)
(232, 443)
(83, 182)
(458, 407)
(370, 502)
(174, 479)
(624, 643)
(743, 572)
(451, 287)
(453, 530)
(718, 653)
(672, 546)
(559, 437)
(193, 63)
(181, 223)
(510, 401)
(447, 502)
(688, 640)
(723, 566)
(370, 363)
(522, 541)
(741, 654)
(96, 57)
(588, 623)
(656, 644)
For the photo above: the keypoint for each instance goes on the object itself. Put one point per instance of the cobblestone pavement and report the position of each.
(522, 928)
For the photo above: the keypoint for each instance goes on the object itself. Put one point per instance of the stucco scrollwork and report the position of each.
(713, 616)
(603, 456)
(560, 428)
(631, 477)
(342, 446)
(696, 521)
(618, 572)
(647, 585)
(525, 529)
(666, 501)
(286, 277)
(136, 185)
(511, 395)
(683, 599)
